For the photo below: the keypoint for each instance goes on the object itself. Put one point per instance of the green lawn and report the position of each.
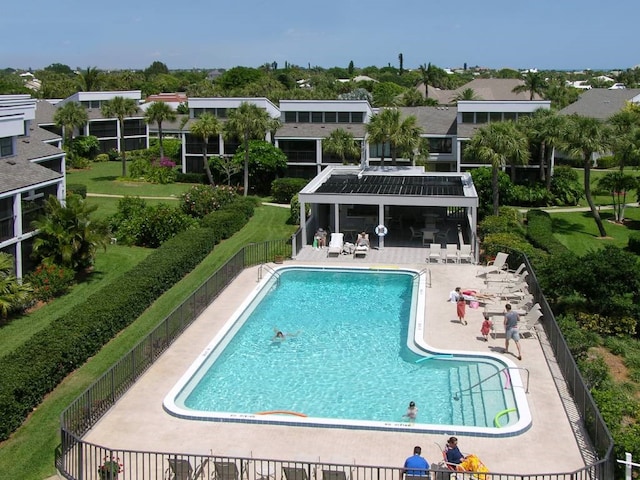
(597, 174)
(102, 177)
(579, 233)
(28, 454)
(107, 206)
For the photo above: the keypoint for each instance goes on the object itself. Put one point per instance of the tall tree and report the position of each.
(89, 79)
(204, 127)
(497, 143)
(158, 112)
(70, 116)
(120, 108)
(584, 137)
(67, 235)
(247, 122)
(388, 127)
(626, 135)
(618, 184)
(401, 61)
(546, 128)
(534, 83)
(13, 294)
(342, 144)
(466, 94)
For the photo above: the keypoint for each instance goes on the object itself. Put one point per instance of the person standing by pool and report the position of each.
(457, 297)
(511, 329)
(487, 325)
(412, 412)
(416, 465)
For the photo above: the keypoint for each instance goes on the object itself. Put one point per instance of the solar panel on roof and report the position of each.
(392, 185)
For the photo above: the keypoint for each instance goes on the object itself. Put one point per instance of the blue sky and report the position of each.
(554, 34)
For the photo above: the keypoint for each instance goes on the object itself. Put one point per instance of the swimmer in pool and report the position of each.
(280, 336)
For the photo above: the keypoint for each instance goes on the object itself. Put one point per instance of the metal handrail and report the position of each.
(456, 397)
(269, 269)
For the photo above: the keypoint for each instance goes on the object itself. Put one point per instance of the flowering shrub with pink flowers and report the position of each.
(162, 170)
(110, 469)
(50, 281)
(201, 200)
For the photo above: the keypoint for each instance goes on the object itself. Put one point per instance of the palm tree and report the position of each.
(67, 236)
(583, 138)
(204, 127)
(534, 83)
(89, 79)
(408, 140)
(120, 108)
(13, 294)
(618, 184)
(158, 112)
(466, 94)
(388, 127)
(70, 116)
(497, 143)
(426, 74)
(247, 122)
(626, 135)
(546, 128)
(341, 144)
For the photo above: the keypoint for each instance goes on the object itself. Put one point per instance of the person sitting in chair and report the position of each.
(454, 455)
(363, 240)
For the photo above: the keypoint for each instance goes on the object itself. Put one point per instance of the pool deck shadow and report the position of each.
(554, 443)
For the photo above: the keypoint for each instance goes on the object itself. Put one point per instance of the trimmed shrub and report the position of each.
(605, 162)
(510, 243)
(634, 243)
(50, 281)
(77, 189)
(243, 205)
(101, 157)
(531, 195)
(493, 224)
(191, 177)
(224, 223)
(283, 189)
(161, 222)
(540, 232)
(35, 368)
(294, 219)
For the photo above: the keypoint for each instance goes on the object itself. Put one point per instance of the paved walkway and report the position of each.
(139, 422)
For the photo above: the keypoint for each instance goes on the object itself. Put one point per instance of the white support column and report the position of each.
(221, 143)
(318, 155)
(336, 217)
(381, 222)
(303, 223)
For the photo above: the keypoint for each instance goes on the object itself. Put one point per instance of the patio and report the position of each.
(139, 422)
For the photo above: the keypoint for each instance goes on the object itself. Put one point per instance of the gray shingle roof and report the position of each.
(485, 89)
(434, 120)
(19, 173)
(601, 102)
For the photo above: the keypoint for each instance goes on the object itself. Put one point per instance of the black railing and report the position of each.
(80, 460)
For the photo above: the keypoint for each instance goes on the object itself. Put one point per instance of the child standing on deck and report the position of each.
(486, 327)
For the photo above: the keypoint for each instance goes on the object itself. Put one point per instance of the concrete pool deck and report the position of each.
(554, 443)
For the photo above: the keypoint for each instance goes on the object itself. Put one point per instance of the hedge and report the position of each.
(35, 368)
(540, 232)
(283, 189)
(77, 188)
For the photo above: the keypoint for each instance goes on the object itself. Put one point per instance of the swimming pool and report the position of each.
(357, 362)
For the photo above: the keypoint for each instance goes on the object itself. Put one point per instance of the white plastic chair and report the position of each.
(435, 253)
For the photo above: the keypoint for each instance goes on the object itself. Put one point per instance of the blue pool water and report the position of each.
(353, 358)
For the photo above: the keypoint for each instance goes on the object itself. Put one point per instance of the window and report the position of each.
(510, 116)
(134, 127)
(482, 117)
(303, 117)
(316, 117)
(330, 117)
(104, 129)
(467, 117)
(343, 117)
(440, 145)
(6, 146)
(495, 117)
(357, 117)
(290, 117)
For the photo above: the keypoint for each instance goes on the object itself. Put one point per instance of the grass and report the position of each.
(28, 454)
(103, 178)
(579, 233)
(107, 206)
(596, 174)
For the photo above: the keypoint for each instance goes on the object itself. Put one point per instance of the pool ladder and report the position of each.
(505, 369)
(264, 267)
(426, 272)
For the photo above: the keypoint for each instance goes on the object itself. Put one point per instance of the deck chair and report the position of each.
(226, 471)
(471, 463)
(451, 253)
(334, 475)
(180, 469)
(295, 473)
(464, 254)
(529, 321)
(336, 244)
(508, 275)
(434, 253)
(415, 233)
(499, 263)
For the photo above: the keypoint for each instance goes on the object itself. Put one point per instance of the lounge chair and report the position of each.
(180, 469)
(334, 475)
(508, 275)
(499, 263)
(226, 471)
(362, 246)
(435, 253)
(295, 473)
(336, 244)
(415, 233)
(529, 321)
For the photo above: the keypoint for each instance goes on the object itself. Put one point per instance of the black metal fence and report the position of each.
(80, 460)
